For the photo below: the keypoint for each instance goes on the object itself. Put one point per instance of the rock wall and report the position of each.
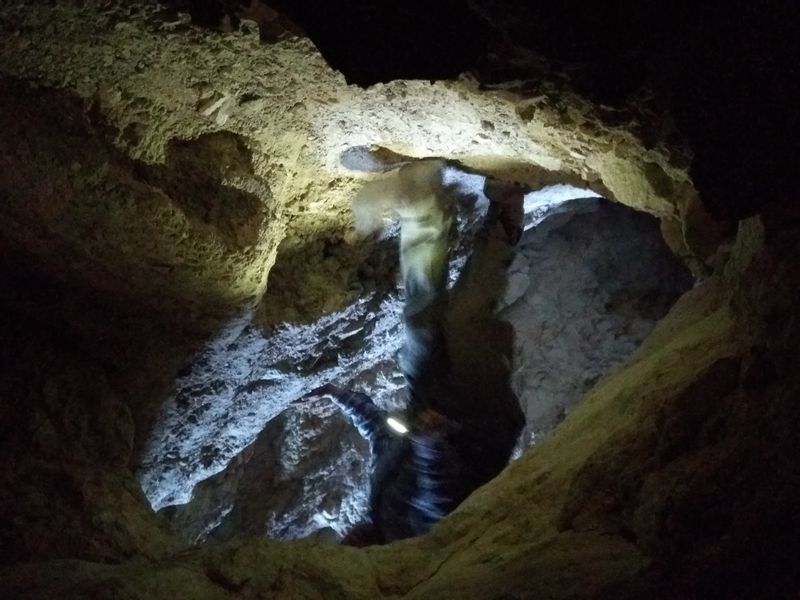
(597, 277)
(67, 442)
(587, 285)
(151, 105)
(655, 485)
(124, 126)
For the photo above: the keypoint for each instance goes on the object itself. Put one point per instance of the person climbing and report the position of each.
(463, 419)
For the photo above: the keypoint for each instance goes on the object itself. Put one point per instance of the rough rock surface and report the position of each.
(624, 497)
(271, 121)
(675, 477)
(596, 279)
(67, 440)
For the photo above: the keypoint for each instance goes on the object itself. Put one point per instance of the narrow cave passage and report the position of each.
(233, 456)
(157, 161)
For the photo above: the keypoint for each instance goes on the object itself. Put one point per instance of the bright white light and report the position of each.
(556, 194)
(538, 205)
(396, 425)
(543, 202)
(239, 382)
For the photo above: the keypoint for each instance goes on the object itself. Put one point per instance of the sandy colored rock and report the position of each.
(157, 172)
(145, 97)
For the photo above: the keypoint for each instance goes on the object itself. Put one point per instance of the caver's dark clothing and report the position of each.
(456, 358)
(415, 476)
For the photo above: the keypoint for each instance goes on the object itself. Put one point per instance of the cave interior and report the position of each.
(178, 266)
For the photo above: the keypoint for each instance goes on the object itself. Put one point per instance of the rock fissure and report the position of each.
(461, 549)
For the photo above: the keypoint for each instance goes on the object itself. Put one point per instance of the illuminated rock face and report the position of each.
(153, 174)
(190, 171)
(588, 285)
(598, 279)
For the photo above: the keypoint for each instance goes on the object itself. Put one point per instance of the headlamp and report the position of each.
(397, 425)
